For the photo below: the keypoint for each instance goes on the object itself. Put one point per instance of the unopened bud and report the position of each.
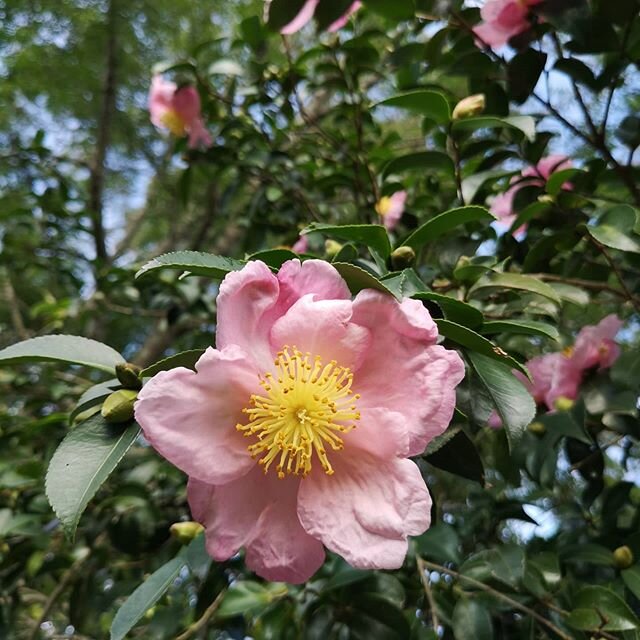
(331, 248)
(128, 375)
(546, 198)
(403, 258)
(623, 557)
(537, 428)
(563, 403)
(118, 407)
(469, 106)
(185, 532)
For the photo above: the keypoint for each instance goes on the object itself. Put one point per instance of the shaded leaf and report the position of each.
(371, 235)
(431, 104)
(186, 359)
(195, 262)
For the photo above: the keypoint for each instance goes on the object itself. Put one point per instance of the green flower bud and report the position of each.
(563, 404)
(537, 428)
(469, 106)
(623, 557)
(185, 532)
(403, 258)
(331, 248)
(118, 407)
(128, 375)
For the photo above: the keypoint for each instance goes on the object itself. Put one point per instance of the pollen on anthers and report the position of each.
(306, 408)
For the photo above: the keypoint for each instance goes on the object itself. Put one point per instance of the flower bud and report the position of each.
(127, 374)
(623, 557)
(469, 106)
(331, 248)
(118, 407)
(537, 428)
(402, 258)
(546, 198)
(185, 532)
(563, 404)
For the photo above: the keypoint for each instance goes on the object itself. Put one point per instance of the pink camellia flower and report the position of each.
(306, 13)
(301, 245)
(178, 110)
(503, 19)
(595, 345)
(554, 376)
(296, 430)
(502, 205)
(391, 208)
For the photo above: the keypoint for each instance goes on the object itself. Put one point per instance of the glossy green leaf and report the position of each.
(446, 222)
(82, 462)
(523, 72)
(397, 10)
(274, 258)
(525, 327)
(454, 310)
(631, 578)
(596, 607)
(505, 563)
(475, 342)
(195, 262)
(186, 359)
(422, 161)
(440, 543)
(403, 284)
(587, 553)
(94, 396)
(471, 621)
(371, 235)
(512, 401)
(246, 597)
(63, 348)
(460, 457)
(615, 229)
(281, 12)
(431, 104)
(557, 180)
(358, 278)
(525, 124)
(516, 281)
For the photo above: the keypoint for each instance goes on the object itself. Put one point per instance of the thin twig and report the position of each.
(585, 284)
(426, 585)
(203, 621)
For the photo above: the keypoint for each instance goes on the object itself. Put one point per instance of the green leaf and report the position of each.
(460, 457)
(144, 597)
(561, 424)
(420, 161)
(373, 616)
(329, 11)
(282, 12)
(94, 396)
(475, 342)
(403, 284)
(505, 564)
(446, 222)
(512, 401)
(525, 327)
(63, 348)
(471, 621)
(82, 462)
(454, 310)
(430, 104)
(246, 597)
(588, 553)
(472, 184)
(518, 282)
(597, 607)
(397, 10)
(615, 229)
(274, 258)
(186, 359)
(523, 72)
(631, 578)
(358, 278)
(225, 67)
(557, 179)
(525, 124)
(371, 235)
(195, 262)
(440, 543)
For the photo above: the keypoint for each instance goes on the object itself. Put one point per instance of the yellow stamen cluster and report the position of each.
(383, 205)
(172, 121)
(567, 352)
(306, 407)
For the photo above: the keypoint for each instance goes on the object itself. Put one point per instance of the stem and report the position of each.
(586, 284)
(201, 624)
(426, 585)
(501, 596)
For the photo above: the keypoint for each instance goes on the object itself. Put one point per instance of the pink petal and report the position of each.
(342, 20)
(304, 15)
(186, 102)
(366, 510)
(595, 345)
(491, 35)
(257, 512)
(396, 209)
(301, 245)
(379, 432)
(198, 134)
(160, 99)
(322, 328)
(404, 371)
(190, 418)
(554, 375)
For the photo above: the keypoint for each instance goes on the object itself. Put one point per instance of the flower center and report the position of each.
(567, 352)
(383, 205)
(306, 407)
(172, 121)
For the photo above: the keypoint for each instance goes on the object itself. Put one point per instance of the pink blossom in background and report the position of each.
(296, 430)
(595, 345)
(503, 19)
(178, 110)
(554, 376)
(301, 245)
(391, 208)
(502, 205)
(306, 13)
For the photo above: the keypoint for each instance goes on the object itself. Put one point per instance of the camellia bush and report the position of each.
(320, 320)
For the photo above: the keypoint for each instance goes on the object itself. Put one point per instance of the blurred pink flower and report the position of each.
(296, 430)
(502, 205)
(178, 110)
(595, 345)
(301, 245)
(554, 376)
(391, 208)
(306, 13)
(503, 19)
